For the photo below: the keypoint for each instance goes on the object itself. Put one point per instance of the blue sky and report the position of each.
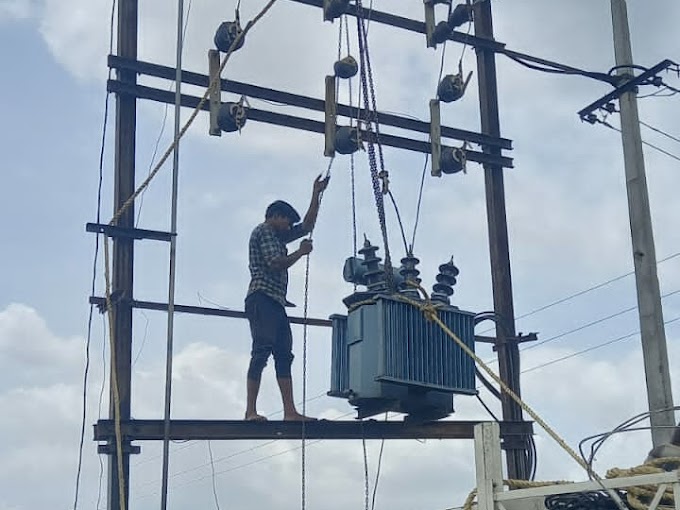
(567, 217)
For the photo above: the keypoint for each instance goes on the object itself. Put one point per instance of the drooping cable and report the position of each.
(102, 389)
(88, 341)
(627, 426)
(212, 473)
(166, 108)
(427, 155)
(555, 68)
(377, 469)
(173, 258)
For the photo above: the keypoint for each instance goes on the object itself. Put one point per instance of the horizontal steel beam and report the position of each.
(409, 24)
(152, 430)
(253, 91)
(200, 310)
(130, 233)
(278, 119)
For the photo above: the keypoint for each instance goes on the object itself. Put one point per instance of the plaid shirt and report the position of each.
(266, 244)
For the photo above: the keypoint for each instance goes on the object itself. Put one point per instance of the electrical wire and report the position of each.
(658, 93)
(247, 464)
(659, 149)
(221, 459)
(377, 469)
(554, 68)
(143, 343)
(626, 426)
(590, 349)
(593, 323)
(88, 341)
(154, 153)
(585, 291)
(102, 389)
(401, 225)
(212, 470)
(661, 132)
(488, 410)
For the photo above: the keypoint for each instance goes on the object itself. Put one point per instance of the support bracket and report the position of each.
(215, 91)
(111, 449)
(435, 137)
(128, 233)
(587, 114)
(331, 114)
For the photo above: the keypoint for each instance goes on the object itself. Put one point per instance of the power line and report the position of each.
(589, 289)
(88, 341)
(659, 149)
(593, 323)
(661, 132)
(221, 459)
(212, 471)
(659, 93)
(595, 347)
(241, 466)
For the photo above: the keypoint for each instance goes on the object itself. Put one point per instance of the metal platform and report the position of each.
(152, 430)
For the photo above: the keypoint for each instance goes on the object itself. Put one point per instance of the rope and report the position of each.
(193, 116)
(114, 381)
(126, 205)
(429, 309)
(512, 484)
(639, 497)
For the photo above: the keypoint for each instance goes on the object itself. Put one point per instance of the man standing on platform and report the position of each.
(265, 303)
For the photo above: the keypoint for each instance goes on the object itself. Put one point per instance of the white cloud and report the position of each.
(16, 9)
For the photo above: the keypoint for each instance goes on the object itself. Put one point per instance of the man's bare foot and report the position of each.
(297, 417)
(255, 417)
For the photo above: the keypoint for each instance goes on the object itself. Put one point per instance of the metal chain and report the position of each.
(304, 386)
(377, 192)
(351, 157)
(366, 481)
(303, 483)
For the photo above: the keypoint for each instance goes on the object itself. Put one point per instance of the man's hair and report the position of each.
(281, 208)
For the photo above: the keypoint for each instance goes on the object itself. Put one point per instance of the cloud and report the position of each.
(16, 9)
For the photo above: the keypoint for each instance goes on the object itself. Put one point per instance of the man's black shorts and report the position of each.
(270, 329)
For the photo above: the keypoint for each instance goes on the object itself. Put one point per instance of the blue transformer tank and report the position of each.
(386, 356)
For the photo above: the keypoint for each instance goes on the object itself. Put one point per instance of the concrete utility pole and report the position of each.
(659, 394)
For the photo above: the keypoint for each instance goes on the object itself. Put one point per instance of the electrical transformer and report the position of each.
(386, 356)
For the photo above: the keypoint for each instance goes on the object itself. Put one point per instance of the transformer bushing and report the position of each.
(375, 277)
(410, 274)
(446, 279)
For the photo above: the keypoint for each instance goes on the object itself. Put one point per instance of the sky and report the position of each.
(567, 220)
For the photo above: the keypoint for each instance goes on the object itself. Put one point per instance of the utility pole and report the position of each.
(508, 351)
(123, 253)
(659, 394)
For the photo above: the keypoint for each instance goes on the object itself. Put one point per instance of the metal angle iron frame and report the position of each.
(627, 86)
(164, 96)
